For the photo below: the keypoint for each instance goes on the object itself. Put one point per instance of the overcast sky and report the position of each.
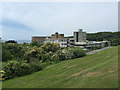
(22, 20)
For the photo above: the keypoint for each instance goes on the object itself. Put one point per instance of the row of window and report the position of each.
(64, 44)
(58, 40)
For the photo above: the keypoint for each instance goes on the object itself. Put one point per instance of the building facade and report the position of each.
(39, 39)
(78, 40)
(54, 38)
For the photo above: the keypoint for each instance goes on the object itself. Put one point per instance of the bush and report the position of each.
(59, 55)
(77, 52)
(47, 57)
(49, 47)
(35, 43)
(55, 58)
(34, 53)
(35, 66)
(15, 49)
(6, 55)
(24, 69)
(12, 69)
(69, 53)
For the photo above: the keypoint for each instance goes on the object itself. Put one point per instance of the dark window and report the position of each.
(76, 36)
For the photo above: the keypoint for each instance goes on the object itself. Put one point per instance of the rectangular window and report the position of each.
(76, 36)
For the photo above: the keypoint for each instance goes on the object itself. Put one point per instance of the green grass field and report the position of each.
(98, 70)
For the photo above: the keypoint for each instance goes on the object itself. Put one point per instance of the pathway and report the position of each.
(91, 52)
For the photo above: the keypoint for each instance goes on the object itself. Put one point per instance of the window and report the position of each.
(76, 36)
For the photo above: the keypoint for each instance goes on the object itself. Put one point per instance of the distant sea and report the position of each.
(20, 41)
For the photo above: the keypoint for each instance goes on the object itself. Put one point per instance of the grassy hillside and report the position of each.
(98, 70)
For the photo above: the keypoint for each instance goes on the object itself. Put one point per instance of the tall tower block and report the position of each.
(79, 36)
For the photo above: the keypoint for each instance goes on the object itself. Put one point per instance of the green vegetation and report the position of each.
(98, 70)
(24, 59)
(100, 36)
(35, 43)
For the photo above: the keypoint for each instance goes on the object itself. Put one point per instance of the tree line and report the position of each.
(100, 36)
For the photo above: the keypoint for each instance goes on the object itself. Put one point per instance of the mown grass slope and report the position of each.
(98, 70)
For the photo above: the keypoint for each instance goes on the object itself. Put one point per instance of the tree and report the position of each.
(49, 47)
(34, 53)
(35, 43)
(11, 41)
(15, 49)
(6, 55)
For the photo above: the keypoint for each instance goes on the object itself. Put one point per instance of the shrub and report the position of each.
(47, 57)
(6, 55)
(77, 52)
(24, 69)
(55, 58)
(35, 43)
(69, 53)
(59, 55)
(2, 75)
(49, 47)
(35, 53)
(12, 69)
(37, 66)
(14, 48)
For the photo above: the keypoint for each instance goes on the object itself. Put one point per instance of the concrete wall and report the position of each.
(79, 36)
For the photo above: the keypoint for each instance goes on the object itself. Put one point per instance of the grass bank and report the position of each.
(98, 70)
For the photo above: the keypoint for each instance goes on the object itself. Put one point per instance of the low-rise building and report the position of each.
(78, 40)
(54, 38)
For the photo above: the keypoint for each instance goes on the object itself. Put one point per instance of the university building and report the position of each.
(78, 40)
